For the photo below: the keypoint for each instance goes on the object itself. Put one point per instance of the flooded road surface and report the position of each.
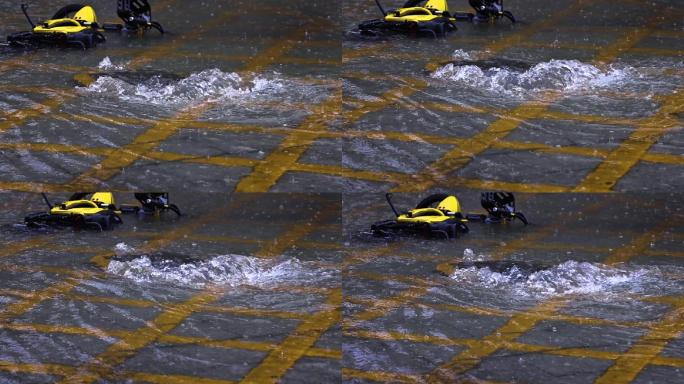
(277, 131)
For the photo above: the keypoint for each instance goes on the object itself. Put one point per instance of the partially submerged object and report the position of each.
(489, 10)
(97, 210)
(440, 215)
(436, 215)
(500, 207)
(151, 203)
(82, 210)
(431, 19)
(74, 25)
(136, 15)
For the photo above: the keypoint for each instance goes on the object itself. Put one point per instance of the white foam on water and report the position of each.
(570, 277)
(123, 249)
(208, 85)
(461, 54)
(106, 64)
(553, 75)
(231, 270)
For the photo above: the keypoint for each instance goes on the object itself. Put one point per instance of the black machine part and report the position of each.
(136, 14)
(388, 196)
(501, 206)
(488, 9)
(151, 202)
(24, 8)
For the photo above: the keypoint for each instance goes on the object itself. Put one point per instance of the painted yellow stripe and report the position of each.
(668, 361)
(391, 377)
(256, 312)
(45, 106)
(246, 345)
(19, 308)
(67, 330)
(663, 158)
(475, 344)
(641, 243)
(644, 351)
(172, 379)
(103, 364)
(462, 155)
(461, 182)
(285, 355)
(386, 176)
(516, 326)
(21, 246)
(382, 307)
(268, 172)
(221, 161)
(621, 160)
(297, 231)
(45, 369)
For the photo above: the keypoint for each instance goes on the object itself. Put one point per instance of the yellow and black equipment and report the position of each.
(440, 215)
(97, 210)
(74, 25)
(431, 19)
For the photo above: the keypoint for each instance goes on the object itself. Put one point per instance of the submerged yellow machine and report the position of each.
(76, 25)
(73, 25)
(97, 210)
(440, 215)
(431, 19)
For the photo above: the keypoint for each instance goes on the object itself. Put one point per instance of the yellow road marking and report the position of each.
(172, 379)
(18, 308)
(645, 351)
(641, 243)
(43, 107)
(380, 376)
(285, 355)
(268, 172)
(67, 330)
(102, 365)
(298, 231)
(471, 357)
(45, 369)
(21, 246)
(663, 158)
(621, 160)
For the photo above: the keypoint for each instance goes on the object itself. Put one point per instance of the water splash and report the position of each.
(230, 270)
(205, 86)
(570, 277)
(106, 64)
(553, 75)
